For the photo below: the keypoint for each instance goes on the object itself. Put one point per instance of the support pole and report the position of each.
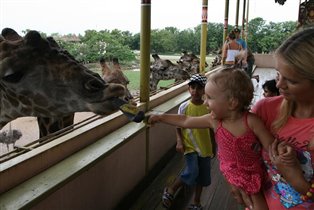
(144, 67)
(145, 51)
(247, 20)
(243, 19)
(226, 21)
(203, 37)
(237, 14)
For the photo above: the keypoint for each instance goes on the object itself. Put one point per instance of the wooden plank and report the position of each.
(215, 196)
(150, 198)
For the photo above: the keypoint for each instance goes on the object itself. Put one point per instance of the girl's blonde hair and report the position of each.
(298, 53)
(236, 84)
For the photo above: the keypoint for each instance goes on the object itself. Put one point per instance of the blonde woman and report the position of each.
(290, 117)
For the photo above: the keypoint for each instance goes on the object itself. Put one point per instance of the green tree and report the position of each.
(214, 37)
(262, 38)
(186, 40)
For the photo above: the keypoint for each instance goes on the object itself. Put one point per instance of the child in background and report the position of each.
(270, 88)
(196, 146)
(238, 132)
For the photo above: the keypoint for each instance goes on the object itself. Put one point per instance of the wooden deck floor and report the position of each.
(214, 197)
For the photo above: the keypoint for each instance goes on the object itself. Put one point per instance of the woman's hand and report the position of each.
(281, 153)
(284, 158)
(241, 197)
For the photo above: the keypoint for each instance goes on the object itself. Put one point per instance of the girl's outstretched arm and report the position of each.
(182, 121)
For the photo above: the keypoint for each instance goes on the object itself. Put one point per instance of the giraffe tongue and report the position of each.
(129, 110)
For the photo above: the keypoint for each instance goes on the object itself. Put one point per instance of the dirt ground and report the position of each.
(29, 128)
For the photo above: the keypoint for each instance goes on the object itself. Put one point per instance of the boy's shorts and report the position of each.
(197, 170)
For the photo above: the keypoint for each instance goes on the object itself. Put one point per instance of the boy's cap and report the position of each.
(236, 30)
(199, 79)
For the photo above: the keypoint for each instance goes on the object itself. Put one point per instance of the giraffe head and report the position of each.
(162, 69)
(38, 78)
(190, 62)
(115, 75)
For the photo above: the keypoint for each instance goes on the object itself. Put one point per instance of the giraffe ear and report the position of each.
(33, 38)
(52, 42)
(10, 34)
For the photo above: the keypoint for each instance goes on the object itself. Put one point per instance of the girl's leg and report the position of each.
(259, 202)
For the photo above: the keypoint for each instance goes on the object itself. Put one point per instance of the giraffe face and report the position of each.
(165, 70)
(38, 78)
(115, 75)
(190, 62)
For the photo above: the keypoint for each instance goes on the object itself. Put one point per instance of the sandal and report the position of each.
(167, 199)
(195, 207)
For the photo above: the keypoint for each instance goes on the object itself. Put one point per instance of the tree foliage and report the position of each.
(262, 38)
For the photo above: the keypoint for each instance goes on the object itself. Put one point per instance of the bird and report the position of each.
(10, 137)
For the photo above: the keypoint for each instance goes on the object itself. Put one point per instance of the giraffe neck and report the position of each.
(50, 125)
(11, 107)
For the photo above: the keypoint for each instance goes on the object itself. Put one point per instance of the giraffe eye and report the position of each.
(13, 78)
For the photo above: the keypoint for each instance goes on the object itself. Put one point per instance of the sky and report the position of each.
(77, 16)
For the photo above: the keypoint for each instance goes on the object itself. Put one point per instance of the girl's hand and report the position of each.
(285, 159)
(152, 119)
(287, 155)
(282, 154)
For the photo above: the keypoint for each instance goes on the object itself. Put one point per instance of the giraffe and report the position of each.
(217, 60)
(38, 78)
(165, 70)
(190, 62)
(115, 75)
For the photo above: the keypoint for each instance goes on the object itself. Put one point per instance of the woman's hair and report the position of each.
(298, 53)
(236, 84)
(271, 86)
(232, 35)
